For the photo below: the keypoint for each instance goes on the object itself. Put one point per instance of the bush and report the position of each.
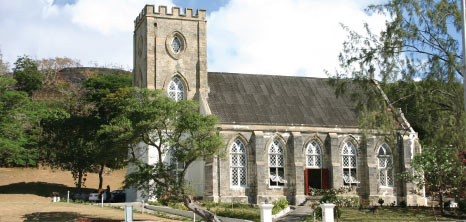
(279, 205)
(403, 203)
(347, 201)
(381, 201)
(240, 214)
(462, 205)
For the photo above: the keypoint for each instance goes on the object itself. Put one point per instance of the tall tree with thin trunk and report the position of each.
(175, 130)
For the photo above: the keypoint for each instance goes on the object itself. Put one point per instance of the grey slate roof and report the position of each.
(277, 100)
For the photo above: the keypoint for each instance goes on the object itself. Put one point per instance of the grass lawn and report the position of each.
(392, 214)
(235, 210)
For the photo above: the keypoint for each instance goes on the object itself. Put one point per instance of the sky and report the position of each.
(279, 37)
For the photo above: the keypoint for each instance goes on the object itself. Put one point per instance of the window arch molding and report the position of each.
(351, 139)
(276, 161)
(238, 155)
(178, 75)
(314, 139)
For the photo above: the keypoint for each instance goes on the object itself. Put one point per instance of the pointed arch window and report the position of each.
(313, 155)
(176, 89)
(276, 164)
(349, 164)
(385, 166)
(238, 164)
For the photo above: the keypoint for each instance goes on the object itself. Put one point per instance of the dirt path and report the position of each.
(15, 208)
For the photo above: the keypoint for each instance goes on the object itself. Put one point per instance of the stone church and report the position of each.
(283, 134)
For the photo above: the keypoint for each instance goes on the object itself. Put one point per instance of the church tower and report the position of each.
(170, 52)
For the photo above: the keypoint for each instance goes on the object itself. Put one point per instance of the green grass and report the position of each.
(391, 214)
(234, 210)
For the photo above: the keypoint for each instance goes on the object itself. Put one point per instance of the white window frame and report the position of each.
(349, 151)
(313, 151)
(387, 156)
(241, 151)
(278, 145)
(176, 88)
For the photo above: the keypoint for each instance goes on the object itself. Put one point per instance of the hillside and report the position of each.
(38, 184)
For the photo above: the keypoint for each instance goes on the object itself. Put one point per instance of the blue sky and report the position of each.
(285, 37)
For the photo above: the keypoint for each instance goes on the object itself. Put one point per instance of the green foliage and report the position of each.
(462, 205)
(19, 126)
(239, 214)
(403, 203)
(172, 128)
(440, 171)
(380, 201)
(27, 75)
(279, 205)
(419, 42)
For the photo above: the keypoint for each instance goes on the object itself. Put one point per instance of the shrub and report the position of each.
(279, 205)
(381, 201)
(403, 203)
(462, 205)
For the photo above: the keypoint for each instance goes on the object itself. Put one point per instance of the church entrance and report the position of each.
(316, 178)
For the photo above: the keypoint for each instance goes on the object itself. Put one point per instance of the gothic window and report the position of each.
(313, 155)
(349, 163)
(238, 164)
(177, 167)
(176, 45)
(277, 164)
(385, 166)
(176, 89)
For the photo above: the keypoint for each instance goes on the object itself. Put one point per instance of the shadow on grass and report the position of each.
(62, 216)
(39, 188)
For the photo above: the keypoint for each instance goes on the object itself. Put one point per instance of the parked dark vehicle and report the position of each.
(118, 196)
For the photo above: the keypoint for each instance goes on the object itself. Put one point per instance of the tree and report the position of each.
(4, 66)
(416, 59)
(27, 75)
(440, 171)
(69, 137)
(111, 153)
(418, 43)
(172, 128)
(19, 126)
(50, 68)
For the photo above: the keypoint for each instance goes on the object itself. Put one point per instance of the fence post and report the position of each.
(266, 212)
(128, 213)
(68, 197)
(327, 212)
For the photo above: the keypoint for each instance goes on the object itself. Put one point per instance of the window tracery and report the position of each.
(276, 164)
(238, 164)
(349, 164)
(385, 165)
(313, 155)
(176, 89)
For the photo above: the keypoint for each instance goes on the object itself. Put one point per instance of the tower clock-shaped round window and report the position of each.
(176, 45)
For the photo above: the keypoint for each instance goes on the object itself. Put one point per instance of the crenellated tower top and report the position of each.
(149, 11)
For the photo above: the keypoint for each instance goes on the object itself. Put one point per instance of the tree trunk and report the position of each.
(101, 178)
(80, 178)
(442, 210)
(205, 214)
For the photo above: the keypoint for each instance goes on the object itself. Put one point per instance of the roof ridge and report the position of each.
(256, 74)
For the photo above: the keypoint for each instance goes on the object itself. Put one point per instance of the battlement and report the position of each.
(149, 10)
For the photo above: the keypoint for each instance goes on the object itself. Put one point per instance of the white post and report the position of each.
(194, 217)
(54, 199)
(266, 212)
(102, 198)
(128, 213)
(142, 208)
(327, 212)
(68, 197)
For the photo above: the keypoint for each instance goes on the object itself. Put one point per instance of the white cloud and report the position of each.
(293, 37)
(288, 37)
(88, 30)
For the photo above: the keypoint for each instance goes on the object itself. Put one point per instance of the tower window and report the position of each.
(176, 45)
(176, 89)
